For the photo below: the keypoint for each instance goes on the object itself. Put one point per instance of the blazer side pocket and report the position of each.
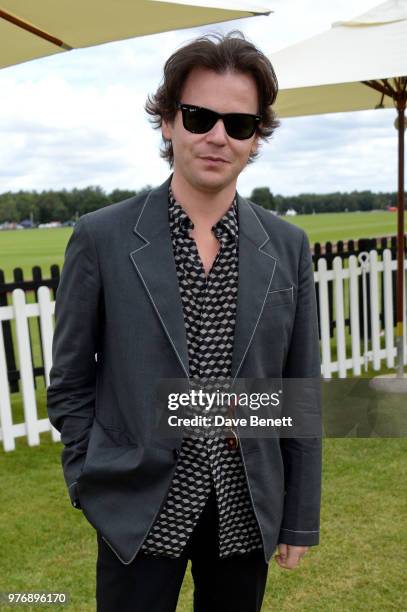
(278, 297)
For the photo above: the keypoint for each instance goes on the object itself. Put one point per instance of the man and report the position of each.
(190, 281)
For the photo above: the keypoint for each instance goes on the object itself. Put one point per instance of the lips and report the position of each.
(214, 158)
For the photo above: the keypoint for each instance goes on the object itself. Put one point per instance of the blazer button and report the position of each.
(175, 452)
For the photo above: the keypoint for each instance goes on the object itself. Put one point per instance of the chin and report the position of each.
(213, 181)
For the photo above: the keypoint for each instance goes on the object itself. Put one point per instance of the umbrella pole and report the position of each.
(401, 104)
(398, 92)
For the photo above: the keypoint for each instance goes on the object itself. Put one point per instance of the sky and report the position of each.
(77, 119)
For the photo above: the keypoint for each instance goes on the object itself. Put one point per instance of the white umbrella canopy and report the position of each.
(29, 30)
(325, 74)
(356, 65)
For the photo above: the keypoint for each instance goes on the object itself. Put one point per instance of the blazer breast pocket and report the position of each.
(278, 297)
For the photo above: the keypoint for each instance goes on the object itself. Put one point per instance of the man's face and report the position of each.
(212, 161)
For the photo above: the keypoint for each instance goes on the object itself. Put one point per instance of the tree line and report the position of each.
(64, 205)
(310, 203)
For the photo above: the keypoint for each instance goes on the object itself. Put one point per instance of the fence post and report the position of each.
(324, 321)
(26, 368)
(46, 308)
(8, 338)
(6, 420)
(351, 248)
(37, 279)
(55, 274)
(364, 247)
(354, 314)
(339, 315)
(374, 308)
(329, 259)
(388, 308)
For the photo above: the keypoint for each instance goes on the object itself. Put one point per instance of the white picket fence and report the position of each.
(381, 347)
(21, 312)
(351, 353)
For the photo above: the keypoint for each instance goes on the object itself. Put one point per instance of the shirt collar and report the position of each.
(226, 227)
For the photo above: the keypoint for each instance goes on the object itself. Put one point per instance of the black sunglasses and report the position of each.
(199, 120)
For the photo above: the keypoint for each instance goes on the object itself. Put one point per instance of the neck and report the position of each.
(204, 207)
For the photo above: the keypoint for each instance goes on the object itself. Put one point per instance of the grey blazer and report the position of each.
(119, 328)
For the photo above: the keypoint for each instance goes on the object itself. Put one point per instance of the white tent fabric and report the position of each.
(329, 73)
(323, 74)
(33, 29)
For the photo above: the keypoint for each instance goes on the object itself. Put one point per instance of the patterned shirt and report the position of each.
(209, 305)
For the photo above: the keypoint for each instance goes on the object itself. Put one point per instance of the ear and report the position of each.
(166, 130)
(255, 145)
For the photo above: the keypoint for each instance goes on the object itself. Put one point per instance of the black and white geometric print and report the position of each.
(209, 305)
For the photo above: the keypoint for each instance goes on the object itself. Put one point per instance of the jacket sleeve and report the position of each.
(302, 457)
(72, 389)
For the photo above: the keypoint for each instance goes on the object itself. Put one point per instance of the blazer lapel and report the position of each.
(257, 265)
(154, 262)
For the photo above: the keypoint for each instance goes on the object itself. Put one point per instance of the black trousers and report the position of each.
(152, 584)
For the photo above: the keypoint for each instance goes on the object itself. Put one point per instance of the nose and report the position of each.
(217, 134)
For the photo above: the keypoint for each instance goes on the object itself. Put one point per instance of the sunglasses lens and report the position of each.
(240, 126)
(198, 120)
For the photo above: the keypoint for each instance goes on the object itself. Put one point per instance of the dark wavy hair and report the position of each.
(220, 53)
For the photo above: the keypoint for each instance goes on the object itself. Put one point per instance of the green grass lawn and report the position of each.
(345, 226)
(44, 247)
(360, 564)
(32, 247)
